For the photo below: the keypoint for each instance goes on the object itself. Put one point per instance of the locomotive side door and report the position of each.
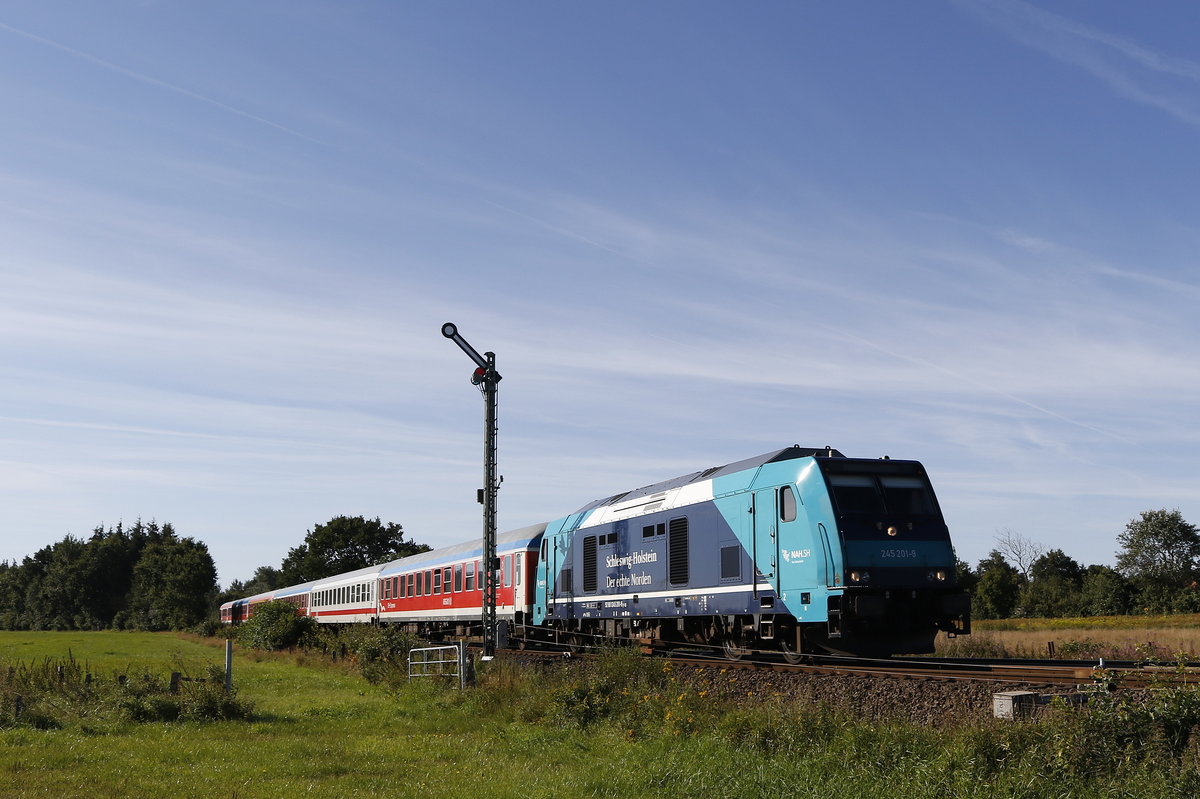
(564, 576)
(766, 537)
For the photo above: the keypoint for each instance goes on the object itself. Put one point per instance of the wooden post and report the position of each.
(176, 678)
(228, 665)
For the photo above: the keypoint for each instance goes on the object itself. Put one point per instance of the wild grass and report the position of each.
(621, 726)
(1163, 638)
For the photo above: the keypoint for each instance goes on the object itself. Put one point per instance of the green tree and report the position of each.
(343, 544)
(1158, 553)
(998, 588)
(966, 579)
(174, 582)
(1053, 587)
(266, 578)
(1104, 592)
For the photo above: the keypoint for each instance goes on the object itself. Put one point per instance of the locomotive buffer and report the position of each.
(485, 377)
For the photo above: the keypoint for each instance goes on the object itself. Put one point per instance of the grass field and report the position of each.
(320, 730)
(1113, 637)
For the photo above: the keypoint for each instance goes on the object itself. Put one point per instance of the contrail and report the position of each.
(138, 76)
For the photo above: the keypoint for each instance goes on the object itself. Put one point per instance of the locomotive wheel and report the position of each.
(733, 650)
(790, 656)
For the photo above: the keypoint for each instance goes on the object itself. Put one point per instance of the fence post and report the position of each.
(228, 665)
(176, 677)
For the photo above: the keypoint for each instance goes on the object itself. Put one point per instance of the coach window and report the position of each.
(518, 560)
(479, 577)
(507, 566)
(470, 584)
(429, 587)
(387, 589)
(787, 505)
(457, 577)
(446, 577)
(437, 581)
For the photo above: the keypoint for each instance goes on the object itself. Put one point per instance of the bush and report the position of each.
(212, 628)
(57, 692)
(275, 625)
(381, 652)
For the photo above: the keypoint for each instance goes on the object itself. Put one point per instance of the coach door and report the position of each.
(766, 538)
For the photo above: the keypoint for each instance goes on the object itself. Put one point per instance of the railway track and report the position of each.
(1022, 672)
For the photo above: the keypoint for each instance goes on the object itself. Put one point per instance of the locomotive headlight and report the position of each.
(855, 577)
(859, 577)
(892, 531)
(940, 574)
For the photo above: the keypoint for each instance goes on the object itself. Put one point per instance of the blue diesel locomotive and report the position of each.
(799, 550)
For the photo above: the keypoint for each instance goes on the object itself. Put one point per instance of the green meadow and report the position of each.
(621, 727)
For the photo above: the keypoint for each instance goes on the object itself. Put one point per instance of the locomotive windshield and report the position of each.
(896, 495)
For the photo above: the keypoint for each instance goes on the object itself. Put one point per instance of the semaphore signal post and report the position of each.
(485, 377)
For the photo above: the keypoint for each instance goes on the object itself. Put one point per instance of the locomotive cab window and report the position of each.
(856, 493)
(787, 504)
(907, 495)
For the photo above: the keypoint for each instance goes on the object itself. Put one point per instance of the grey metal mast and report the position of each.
(485, 377)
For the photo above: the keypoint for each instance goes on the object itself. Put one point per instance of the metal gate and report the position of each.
(440, 661)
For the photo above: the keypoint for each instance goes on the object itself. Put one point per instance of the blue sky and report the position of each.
(962, 233)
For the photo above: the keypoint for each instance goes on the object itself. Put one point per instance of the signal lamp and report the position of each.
(479, 375)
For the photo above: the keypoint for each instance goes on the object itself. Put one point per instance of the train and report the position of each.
(797, 551)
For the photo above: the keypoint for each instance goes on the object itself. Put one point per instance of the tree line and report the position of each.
(140, 577)
(147, 577)
(1157, 571)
